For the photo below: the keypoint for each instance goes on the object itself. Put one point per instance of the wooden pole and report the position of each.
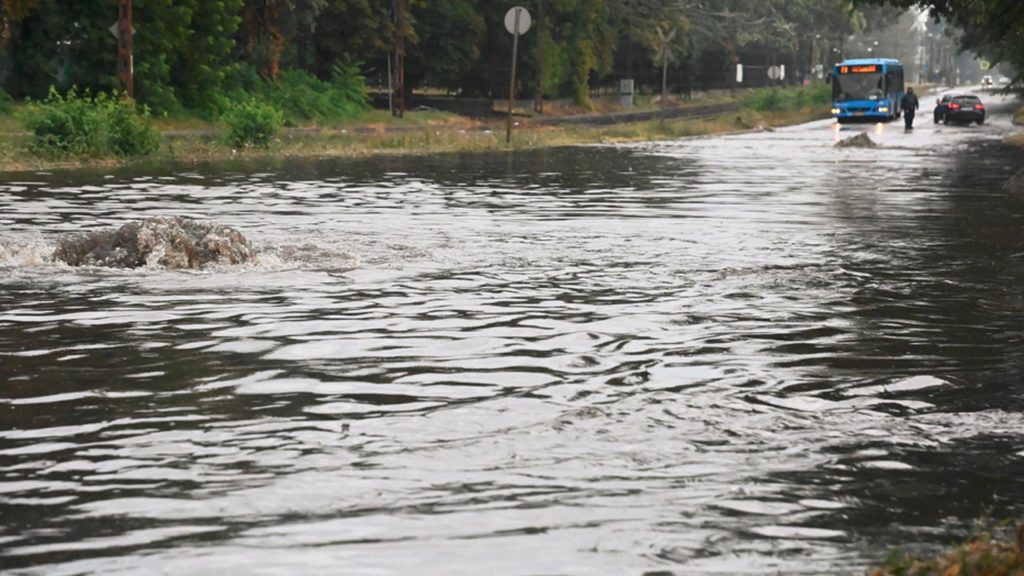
(664, 78)
(399, 93)
(125, 58)
(538, 104)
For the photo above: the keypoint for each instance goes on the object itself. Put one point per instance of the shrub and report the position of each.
(81, 124)
(63, 125)
(6, 103)
(776, 99)
(252, 123)
(299, 95)
(819, 94)
(767, 100)
(128, 132)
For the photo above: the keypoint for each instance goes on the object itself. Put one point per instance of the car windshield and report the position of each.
(858, 87)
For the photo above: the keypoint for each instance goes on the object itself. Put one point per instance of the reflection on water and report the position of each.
(752, 354)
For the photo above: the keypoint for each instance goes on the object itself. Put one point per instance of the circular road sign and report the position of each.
(524, 20)
(775, 73)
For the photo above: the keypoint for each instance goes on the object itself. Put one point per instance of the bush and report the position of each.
(779, 99)
(252, 123)
(6, 103)
(81, 124)
(128, 132)
(299, 95)
(819, 94)
(767, 100)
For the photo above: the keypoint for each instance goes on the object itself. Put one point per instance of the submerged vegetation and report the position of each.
(993, 552)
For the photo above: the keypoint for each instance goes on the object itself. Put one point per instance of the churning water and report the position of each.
(749, 354)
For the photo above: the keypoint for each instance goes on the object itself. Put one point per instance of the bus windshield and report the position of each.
(849, 87)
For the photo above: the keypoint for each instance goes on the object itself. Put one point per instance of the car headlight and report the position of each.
(883, 109)
(835, 110)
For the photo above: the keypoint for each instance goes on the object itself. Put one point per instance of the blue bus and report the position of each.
(868, 90)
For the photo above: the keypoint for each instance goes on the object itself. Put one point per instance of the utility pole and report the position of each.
(399, 93)
(125, 59)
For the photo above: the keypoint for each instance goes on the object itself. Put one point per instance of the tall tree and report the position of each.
(63, 43)
(991, 27)
(448, 36)
(11, 12)
(352, 30)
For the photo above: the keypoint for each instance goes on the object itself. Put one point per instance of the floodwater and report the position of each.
(747, 354)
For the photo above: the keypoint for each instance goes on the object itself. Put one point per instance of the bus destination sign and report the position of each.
(858, 69)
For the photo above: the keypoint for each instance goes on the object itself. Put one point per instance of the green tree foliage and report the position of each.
(351, 30)
(11, 11)
(991, 27)
(63, 43)
(199, 55)
(447, 42)
(198, 72)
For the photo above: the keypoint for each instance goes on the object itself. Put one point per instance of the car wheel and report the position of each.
(980, 122)
(945, 121)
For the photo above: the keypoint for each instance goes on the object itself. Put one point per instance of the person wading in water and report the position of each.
(909, 105)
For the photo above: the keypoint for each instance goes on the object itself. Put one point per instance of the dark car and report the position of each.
(964, 109)
(942, 103)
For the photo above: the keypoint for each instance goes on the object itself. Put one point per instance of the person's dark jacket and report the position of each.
(909, 104)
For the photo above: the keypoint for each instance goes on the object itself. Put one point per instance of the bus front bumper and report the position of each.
(880, 114)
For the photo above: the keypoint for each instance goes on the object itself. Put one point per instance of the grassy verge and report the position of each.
(984, 555)
(434, 139)
(190, 140)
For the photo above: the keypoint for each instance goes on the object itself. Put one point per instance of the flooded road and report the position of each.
(747, 354)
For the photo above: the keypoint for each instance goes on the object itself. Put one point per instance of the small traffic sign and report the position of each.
(524, 20)
(115, 29)
(664, 50)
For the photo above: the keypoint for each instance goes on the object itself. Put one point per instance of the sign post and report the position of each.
(517, 21)
(123, 31)
(665, 54)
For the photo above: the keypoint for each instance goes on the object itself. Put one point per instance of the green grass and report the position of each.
(191, 139)
(10, 120)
